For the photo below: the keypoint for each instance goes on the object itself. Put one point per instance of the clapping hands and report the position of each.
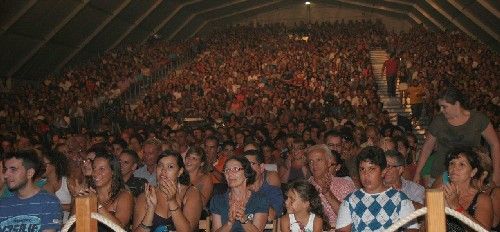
(236, 212)
(151, 199)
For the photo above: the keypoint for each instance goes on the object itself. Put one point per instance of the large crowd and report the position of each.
(268, 123)
(61, 100)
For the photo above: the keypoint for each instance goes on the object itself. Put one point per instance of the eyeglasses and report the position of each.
(233, 170)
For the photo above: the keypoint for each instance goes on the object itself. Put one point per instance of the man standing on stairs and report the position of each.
(391, 70)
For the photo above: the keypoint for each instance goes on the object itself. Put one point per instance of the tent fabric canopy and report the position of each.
(38, 37)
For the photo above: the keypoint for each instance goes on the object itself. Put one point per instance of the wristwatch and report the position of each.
(248, 218)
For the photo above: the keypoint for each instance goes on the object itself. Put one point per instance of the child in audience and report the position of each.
(305, 212)
(374, 207)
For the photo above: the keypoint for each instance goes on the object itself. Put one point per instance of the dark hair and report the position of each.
(412, 136)
(267, 143)
(59, 161)
(121, 142)
(469, 154)
(343, 171)
(117, 183)
(203, 156)
(132, 154)
(247, 168)
(401, 139)
(307, 192)
(137, 136)
(257, 153)
(452, 95)
(184, 177)
(372, 154)
(30, 160)
(332, 133)
(212, 138)
(228, 143)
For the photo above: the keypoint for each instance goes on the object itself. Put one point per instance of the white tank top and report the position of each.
(294, 225)
(64, 196)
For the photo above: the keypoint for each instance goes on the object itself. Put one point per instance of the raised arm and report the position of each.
(187, 218)
(429, 144)
(206, 190)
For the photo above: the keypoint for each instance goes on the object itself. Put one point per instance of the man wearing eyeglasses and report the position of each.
(393, 177)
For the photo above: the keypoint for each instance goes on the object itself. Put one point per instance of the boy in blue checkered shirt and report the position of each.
(374, 207)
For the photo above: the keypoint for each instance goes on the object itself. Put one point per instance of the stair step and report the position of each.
(393, 105)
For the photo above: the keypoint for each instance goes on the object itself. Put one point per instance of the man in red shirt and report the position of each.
(391, 70)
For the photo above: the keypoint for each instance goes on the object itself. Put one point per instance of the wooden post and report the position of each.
(435, 219)
(84, 207)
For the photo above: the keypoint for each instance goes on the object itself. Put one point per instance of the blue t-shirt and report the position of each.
(274, 196)
(40, 212)
(220, 205)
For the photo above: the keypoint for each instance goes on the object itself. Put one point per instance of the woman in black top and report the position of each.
(174, 204)
(461, 195)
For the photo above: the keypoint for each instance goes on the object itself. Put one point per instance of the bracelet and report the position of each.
(145, 227)
(172, 210)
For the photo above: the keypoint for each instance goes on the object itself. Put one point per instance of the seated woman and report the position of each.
(196, 166)
(80, 177)
(56, 172)
(239, 209)
(460, 194)
(174, 204)
(114, 201)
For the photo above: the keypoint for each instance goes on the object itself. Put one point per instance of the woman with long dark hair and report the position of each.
(174, 204)
(114, 201)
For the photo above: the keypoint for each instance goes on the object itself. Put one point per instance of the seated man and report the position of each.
(128, 164)
(393, 177)
(374, 207)
(22, 211)
(266, 182)
(332, 190)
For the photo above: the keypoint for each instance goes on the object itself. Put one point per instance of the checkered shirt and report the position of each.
(374, 212)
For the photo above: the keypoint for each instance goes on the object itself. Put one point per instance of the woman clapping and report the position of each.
(174, 204)
(239, 209)
(460, 195)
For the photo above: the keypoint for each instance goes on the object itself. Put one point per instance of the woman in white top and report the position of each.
(303, 204)
(55, 172)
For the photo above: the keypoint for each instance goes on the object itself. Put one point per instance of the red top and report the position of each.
(391, 67)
